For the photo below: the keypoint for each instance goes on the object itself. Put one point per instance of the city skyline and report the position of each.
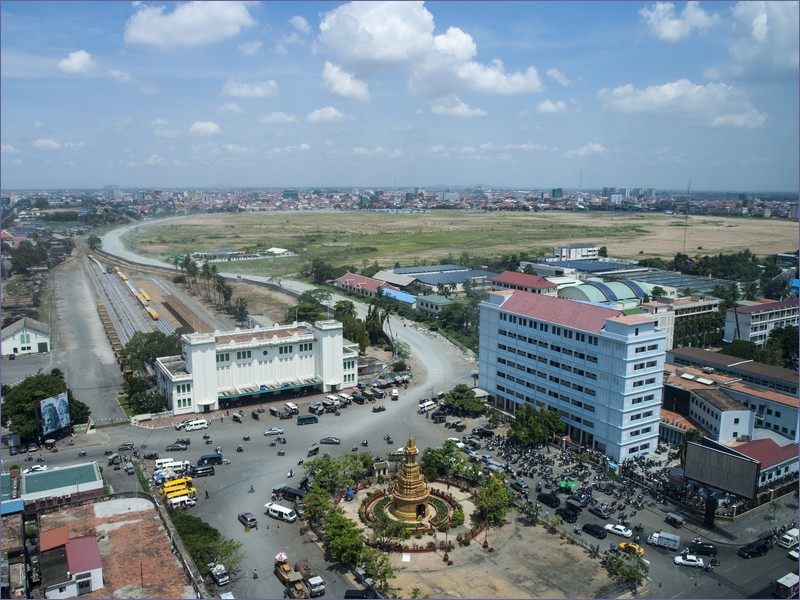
(507, 95)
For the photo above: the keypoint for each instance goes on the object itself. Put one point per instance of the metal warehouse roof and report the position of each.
(58, 478)
(453, 277)
(400, 296)
(428, 269)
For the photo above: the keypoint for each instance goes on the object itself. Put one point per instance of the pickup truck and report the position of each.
(314, 583)
(219, 574)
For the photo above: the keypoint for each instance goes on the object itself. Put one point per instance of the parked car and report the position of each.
(577, 500)
(567, 515)
(688, 560)
(176, 448)
(707, 549)
(183, 424)
(603, 514)
(330, 440)
(378, 408)
(274, 431)
(13, 450)
(630, 548)
(438, 417)
(248, 520)
(550, 500)
(125, 446)
(482, 432)
(759, 548)
(619, 530)
(595, 530)
(150, 456)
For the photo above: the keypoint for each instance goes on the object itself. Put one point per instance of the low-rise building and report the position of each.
(216, 369)
(26, 336)
(70, 567)
(432, 304)
(514, 280)
(358, 284)
(754, 322)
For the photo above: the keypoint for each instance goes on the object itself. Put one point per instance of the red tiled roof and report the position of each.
(523, 280)
(767, 452)
(53, 538)
(360, 282)
(766, 306)
(83, 554)
(568, 313)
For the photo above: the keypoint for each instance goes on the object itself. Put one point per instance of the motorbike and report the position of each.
(300, 462)
(53, 449)
(209, 441)
(206, 436)
(365, 443)
(82, 453)
(40, 458)
(355, 449)
(108, 452)
(72, 442)
(272, 443)
(639, 527)
(246, 438)
(240, 448)
(29, 458)
(386, 437)
(290, 474)
(389, 441)
(281, 452)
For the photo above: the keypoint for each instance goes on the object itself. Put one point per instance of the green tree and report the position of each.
(531, 427)
(28, 255)
(319, 297)
(493, 500)
(658, 292)
(438, 462)
(378, 566)
(603, 252)
(239, 310)
(343, 310)
(21, 403)
(741, 349)
(343, 537)
(304, 313)
(461, 400)
(94, 242)
(784, 340)
(147, 402)
(205, 544)
(387, 532)
(143, 348)
(531, 513)
(693, 436)
(318, 504)
(135, 385)
(320, 271)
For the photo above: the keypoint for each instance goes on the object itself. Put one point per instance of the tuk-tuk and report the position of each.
(254, 414)
(113, 459)
(674, 520)
(313, 451)
(273, 410)
(237, 416)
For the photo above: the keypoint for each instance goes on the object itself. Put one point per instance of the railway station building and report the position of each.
(599, 368)
(221, 369)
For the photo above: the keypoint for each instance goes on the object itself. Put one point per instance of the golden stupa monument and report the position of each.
(409, 491)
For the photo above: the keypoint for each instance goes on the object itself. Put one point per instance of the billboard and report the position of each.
(55, 413)
(728, 471)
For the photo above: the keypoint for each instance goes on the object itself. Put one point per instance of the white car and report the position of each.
(619, 530)
(689, 560)
(795, 554)
(35, 469)
(274, 431)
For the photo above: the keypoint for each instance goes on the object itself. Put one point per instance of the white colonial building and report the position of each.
(216, 369)
(600, 369)
(26, 336)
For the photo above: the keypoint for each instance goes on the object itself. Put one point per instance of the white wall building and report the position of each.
(601, 370)
(754, 323)
(216, 368)
(723, 419)
(26, 336)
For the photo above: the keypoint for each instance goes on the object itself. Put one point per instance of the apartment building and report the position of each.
(755, 321)
(220, 368)
(600, 369)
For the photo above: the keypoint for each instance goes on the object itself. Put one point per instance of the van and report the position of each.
(789, 539)
(195, 425)
(276, 511)
(521, 487)
(426, 406)
(307, 419)
(164, 462)
(346, 399)
(291, 494)
(113, 459)
(209, 459)
(332, 401)
(674, 520)
(204, 471)
(180, 502)
(291, 408)
(395, 394)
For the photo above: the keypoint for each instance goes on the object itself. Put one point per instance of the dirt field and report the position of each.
(361, 238)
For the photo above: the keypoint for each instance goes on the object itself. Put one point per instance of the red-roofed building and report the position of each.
(70, 567)
(514, 280)
(599, 368)
(753, 323)
(366, 286)
(776, 461)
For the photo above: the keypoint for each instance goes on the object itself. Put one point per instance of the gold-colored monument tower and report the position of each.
(409, 491)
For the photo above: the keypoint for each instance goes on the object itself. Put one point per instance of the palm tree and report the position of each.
(344, 309)
(205, 274)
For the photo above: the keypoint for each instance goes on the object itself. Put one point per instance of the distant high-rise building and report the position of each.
(607, 191)
(112, 192)
(557, 193)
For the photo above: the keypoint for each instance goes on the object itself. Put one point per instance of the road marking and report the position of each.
(677, 595)
(753, 577)
(731, 569)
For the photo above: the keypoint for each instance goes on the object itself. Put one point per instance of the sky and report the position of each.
(521, 95)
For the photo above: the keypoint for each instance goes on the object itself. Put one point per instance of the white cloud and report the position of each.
(766, 37)
(120, 76)
(230, 108)
(277, 118)
(291, 149)
(46, 144)
(456, 108)
(367, 37)
(718, 104)
(588, 149)
(246, 90)
(378, 151)
(190, 25)
(162, 129)
(554, 73)
(439, 151)
(204, 128)
(72, 145)
(8, 149)
(77, 62)
(668, 26)
(300, 24)
(155, 160)
(236, 149)
(329, 114)
(548, 106)
(343, 84)
(250, 48)
(39, 124)
(468, 150)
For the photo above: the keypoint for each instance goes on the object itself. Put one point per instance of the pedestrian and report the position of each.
(255, 573)
(222, 418)
(206, 494)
